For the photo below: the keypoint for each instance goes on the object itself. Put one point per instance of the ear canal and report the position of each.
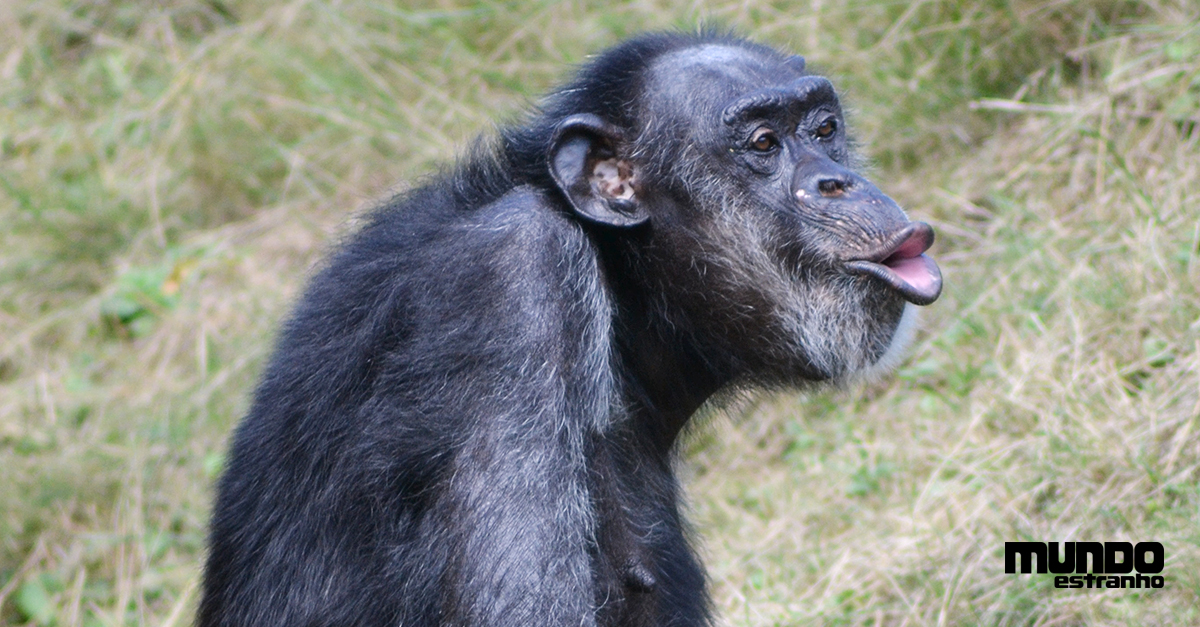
(572, 158)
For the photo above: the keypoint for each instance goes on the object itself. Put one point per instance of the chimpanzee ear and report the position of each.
(600, 186)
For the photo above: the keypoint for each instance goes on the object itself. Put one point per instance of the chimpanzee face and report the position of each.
(778, 252)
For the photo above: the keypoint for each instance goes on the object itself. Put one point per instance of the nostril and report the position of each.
(832, 187)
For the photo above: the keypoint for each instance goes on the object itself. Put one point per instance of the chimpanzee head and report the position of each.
(728, 180)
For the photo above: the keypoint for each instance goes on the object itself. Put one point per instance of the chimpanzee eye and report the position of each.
(827, 128)
(764, 140)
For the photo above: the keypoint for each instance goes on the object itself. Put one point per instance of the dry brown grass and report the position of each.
(170, 172)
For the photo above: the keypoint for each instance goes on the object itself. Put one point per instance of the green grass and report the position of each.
(169, 172)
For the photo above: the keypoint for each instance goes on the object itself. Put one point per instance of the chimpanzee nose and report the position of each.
(823, 178)
(823, 187)
(832, 187)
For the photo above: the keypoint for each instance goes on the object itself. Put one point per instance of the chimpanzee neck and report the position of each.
(663, 385)
(663, 376)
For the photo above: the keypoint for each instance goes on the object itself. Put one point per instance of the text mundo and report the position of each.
(1111, 563)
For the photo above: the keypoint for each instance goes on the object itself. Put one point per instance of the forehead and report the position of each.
(702, 80)
(731, 62)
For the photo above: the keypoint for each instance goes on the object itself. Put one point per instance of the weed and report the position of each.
(169, 173)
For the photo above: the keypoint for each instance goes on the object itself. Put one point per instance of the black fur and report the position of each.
(469, 418)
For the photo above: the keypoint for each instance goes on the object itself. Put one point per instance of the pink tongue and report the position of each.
(919, 272)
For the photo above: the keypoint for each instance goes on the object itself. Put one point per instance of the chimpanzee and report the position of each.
(469, 418)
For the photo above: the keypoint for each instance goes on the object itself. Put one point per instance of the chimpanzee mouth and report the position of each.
(902, 266)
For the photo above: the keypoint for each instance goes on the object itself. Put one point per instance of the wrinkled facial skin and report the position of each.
(808, 269)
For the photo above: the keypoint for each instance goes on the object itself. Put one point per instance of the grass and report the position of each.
(169, 172)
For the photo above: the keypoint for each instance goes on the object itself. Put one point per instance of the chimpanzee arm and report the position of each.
(522, 327)
(519, 505)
